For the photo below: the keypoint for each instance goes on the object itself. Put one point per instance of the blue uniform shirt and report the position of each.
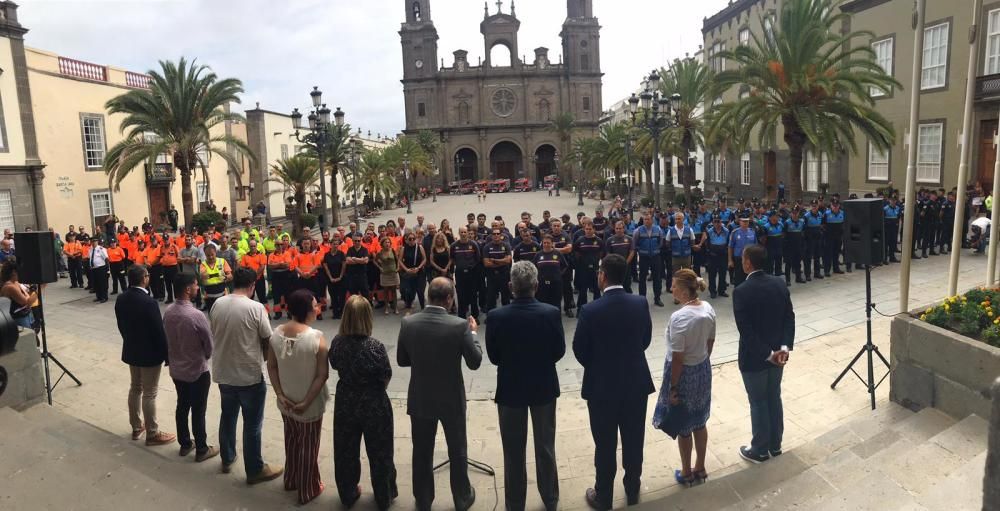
(718, 238)
(834, 218)
(774, 230)
(741, 239)
(794, 225)
(813, 219)
(891, 212)
(647, 240)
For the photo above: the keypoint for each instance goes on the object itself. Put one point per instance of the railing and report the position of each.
(161, 173)
(137, 80)
(80, 69)
(988, 87)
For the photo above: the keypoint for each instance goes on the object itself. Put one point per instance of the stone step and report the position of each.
(962, 489)
(966, 439)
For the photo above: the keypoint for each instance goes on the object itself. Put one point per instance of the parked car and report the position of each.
(522, 185)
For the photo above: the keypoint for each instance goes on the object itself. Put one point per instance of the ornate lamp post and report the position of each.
(319, 136)
(660, 114)
(353, 161)
(628, 160)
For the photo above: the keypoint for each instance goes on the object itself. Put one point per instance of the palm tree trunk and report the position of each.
(300, 207)
(335, 208)
(187, 198)
(649, 178)
(686, 173)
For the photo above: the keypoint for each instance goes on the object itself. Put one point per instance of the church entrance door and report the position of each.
(506, 161)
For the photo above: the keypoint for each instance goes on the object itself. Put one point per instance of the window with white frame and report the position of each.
(745, 169)
(744, 36)
(993, 42)
(816, 170)
(934, 73)
(203, 155)
(202, 192)
(721, 169)
(883, 57)
(721, 64)
(6, 211)
(878, 163)
(284, 151)
(929, 143)
(100, 204)
(93, 140)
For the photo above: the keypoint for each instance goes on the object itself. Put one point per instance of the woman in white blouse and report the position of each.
(683, 406)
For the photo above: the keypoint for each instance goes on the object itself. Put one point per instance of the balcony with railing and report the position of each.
(137, 80)
(81, 69)
(160, 174)
(988, 87)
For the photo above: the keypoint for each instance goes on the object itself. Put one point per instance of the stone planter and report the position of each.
(23, 368)
(941, 369)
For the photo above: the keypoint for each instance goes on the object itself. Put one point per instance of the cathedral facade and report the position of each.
(492, 117)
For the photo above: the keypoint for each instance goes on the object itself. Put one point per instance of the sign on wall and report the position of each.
(64, 186)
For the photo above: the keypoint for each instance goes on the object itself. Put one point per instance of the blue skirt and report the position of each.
(696, 400)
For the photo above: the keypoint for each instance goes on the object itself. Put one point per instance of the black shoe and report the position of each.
(893, 260)
(800, 280)
(468, 503)
(168, 302)
(788, 282)
(714, 295)
(809, 278)
(73, 287)
(839, 272)
(819, 276)
(593, 502)
(915, 256)
(748, 454)
(632, 499)
(774, 454)
(934, 253)
(97, 299)
(114, 292)
(723, 294)
(658, 303)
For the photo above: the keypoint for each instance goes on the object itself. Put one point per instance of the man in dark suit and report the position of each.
(611, 338)
(766, 322)
(144, 349)
(433, 343)
(525, 340)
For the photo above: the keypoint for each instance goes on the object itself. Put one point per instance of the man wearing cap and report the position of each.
(774, 241)
(814, 241)
(794, 243)
(891, 212)
(739, 240)
(646, 242)
(716, 243)
(497, 260)
(833, 228)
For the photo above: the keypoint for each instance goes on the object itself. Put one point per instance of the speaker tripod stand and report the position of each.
(47, 355)
(869, 348)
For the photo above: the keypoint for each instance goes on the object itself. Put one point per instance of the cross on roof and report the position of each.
(499, 4)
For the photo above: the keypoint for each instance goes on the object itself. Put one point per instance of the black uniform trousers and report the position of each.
(156, 281)
(118, 276)
(281, 282)
(169, 274)
(832, 244)
(467, 284)
(891, 235)
(774, 249)
(338, 297)
(698, 258)
(497, 281)
(567, 288)
(586, 283)
(792, 253)
(367, 414)
(550, 291)
(357, 285)
(423, 431)
(654, 264)
(945, 230)
(717, 268)
(625, 415)
(738, 274)
(928, 232)
(100, 281)
(514, 437)
(75, 272)
(260, 290)
(814, 252)
(192, 399)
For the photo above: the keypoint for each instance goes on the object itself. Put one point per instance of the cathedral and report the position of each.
(492, 116)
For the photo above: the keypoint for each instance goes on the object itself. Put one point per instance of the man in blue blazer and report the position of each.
(611, 338)
(766, 322)
(525, 340)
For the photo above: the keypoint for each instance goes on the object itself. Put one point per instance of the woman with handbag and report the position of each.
(684, 403)
(387, 263)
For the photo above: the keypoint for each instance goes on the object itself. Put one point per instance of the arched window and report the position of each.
(500, 56)
(416, 11)
(463, 113)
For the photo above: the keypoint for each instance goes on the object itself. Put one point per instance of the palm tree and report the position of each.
(563, 126)
(374, 177)
(607, 150)
(432, 147)
(336, 151)
(176, 116)
(300, 173)
(695, 83)
(812, 79)
(408, 149)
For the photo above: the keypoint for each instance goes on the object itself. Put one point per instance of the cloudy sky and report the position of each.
(349, 48)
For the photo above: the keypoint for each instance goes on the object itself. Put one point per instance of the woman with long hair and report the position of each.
(361, 407)
(440, 256)
(22, 297)
(387, 263)
(685, 399)
(296, 365)
(446, 230)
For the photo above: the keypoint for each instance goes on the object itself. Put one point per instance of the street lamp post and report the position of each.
(555, 163)
(628, 165)
(579, 180)
(354, 177)
(319, 137)
(406, 180)
(660, 114)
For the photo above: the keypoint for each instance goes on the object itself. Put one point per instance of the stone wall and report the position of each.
(934, 367)
(991, 480)
(25, 380)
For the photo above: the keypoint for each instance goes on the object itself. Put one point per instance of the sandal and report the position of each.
(685, 481)
(700, 477)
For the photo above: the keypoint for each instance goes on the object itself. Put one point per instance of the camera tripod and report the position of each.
(47, 355)
(868, 348)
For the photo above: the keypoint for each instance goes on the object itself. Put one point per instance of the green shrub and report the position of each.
(308, 220)
(646, 202)
(205, 219)
(991, 335)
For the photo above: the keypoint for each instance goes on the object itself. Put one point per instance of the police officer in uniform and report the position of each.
(550, 264)
(794, 244)
(814, 242)
(891, 212)
(497, 260)
(588, 251)
(774, 236)
(564, 246)
(930, 223)
(646, 242)
(739, 240)
(466, 256)
(947, 223)
(833, 229)
(621, 244)
(716, 243)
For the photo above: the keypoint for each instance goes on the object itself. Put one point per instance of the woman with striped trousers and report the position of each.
(297, 366)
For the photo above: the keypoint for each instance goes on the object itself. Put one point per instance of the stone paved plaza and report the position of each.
(830, 329)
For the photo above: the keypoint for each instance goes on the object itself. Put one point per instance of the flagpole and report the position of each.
(911, 156)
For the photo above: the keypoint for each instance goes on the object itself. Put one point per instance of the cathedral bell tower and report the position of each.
(581, 38)
(419, 39)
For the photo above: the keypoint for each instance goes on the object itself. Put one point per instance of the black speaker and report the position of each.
(36, 257)
(864, 241)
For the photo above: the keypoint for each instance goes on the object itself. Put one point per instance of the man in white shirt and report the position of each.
(99, 270)
(240, 328)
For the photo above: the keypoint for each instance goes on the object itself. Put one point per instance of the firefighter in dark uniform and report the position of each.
(497, 260)
(891, 212)
(774, 236)
(930, 223)
(563, 245)
(600, 223)
(947, 223)
(716, 243)
(666, 220)
(588, 251)
(701, 219)
(527, 248)
(621, 244)
(468, 275)
(812, 264)
(550, 264)
(833, 230)
(794, 244)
